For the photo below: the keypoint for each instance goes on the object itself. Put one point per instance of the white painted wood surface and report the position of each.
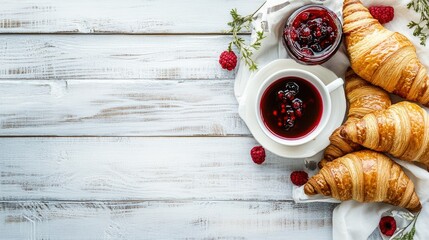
(119, 108)
(62, 57)
(151, 144)
(124, 16)
(144, 168)
(164, 220)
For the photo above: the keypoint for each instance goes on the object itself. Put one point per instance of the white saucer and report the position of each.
(247, 111)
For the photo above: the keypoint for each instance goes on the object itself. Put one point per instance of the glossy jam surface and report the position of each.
(291, 108)
(312, 34)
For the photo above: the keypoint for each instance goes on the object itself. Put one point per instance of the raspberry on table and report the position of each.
(299, 178)
(387, 225)
(383, 14)
(258, 154)
(228, 60)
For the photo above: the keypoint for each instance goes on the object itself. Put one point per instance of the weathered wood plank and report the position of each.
(112, 57)
(119, 16)
(165, 220)
(195, 168)
(119, 108)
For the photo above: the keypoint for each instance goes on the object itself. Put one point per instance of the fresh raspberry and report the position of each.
(387, 225)
(258, 154)
(228, 60)
(299, 178)
(383, 14)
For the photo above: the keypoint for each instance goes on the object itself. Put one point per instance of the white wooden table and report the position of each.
(116, 122)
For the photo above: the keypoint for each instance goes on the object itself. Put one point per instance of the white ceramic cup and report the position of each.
(324, 91)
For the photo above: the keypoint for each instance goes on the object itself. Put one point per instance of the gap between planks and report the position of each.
(148, 200)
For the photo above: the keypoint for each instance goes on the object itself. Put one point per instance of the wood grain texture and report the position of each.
(119, 108)
(165, 220)
(167, 156)
(125, 16)
(112, 57)
(140, 168)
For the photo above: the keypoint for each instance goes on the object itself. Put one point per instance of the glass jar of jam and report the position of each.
(312, 34)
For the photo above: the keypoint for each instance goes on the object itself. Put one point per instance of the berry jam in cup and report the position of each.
(291, 108)
(312, 34)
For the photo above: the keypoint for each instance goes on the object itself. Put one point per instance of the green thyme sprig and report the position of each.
(409, 235)
(421, 28)
(238, 24)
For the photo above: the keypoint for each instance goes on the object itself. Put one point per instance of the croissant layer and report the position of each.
(365, 176)
(384, 58)
(401, 130)
(363, 98)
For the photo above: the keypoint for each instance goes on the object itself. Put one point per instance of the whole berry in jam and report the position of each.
(312, 34)
(314, 28)
(258, 154)
(291, 107)
(228, 60)
(287, 106)
(297, 103)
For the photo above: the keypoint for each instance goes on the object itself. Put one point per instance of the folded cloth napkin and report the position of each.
(351, 220)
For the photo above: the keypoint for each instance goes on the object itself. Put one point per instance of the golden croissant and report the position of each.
(363, 98)
(384, 58)
(401, 130)
(365, 176)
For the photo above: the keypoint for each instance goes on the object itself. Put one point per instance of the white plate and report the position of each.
(247, 111)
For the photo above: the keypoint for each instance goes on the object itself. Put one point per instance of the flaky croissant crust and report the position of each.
(363, 98)
(401, 130)
(384, 58)
(365, 176)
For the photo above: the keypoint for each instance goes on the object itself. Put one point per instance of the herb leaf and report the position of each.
(238, 24)
(409, 235)
(421, 28)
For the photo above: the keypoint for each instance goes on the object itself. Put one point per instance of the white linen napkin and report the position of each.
(351, 220)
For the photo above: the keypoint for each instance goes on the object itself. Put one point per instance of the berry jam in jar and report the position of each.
(312, 34)
(291, 108)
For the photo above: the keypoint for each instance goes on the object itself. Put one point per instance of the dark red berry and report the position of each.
(316, 47)
(280, 94)
(297, 103)
(293, 35)
(228, 60)
(299, 178)
(304, 16)
(326, 19)
(275, 113)
(325, 44)
(258, 154)
(306, 52)
(296, 23)
(383, 14)
(306, 32)
(387, 225)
